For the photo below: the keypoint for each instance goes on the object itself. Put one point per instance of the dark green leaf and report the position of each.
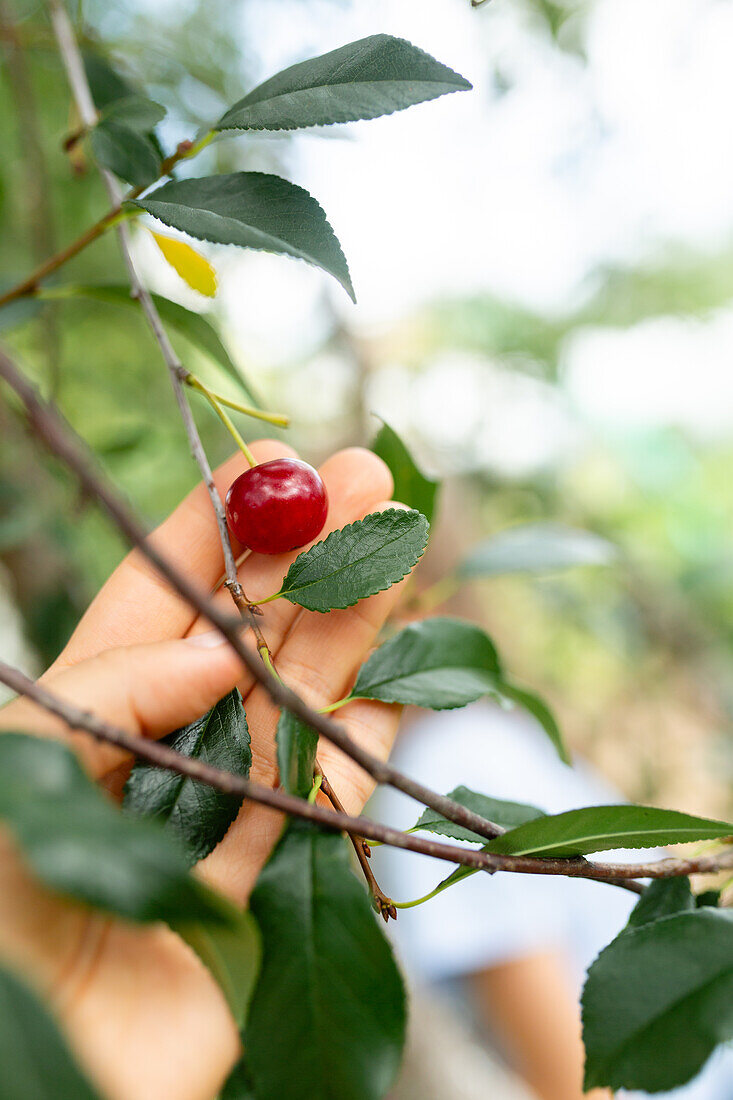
(539, 709)
(327, 1018)
(136, 112)
(80, 845)
(535, 548)
(599, 828)
(296, 754)
(192, 326)
(232, 954)
(506, 814)
(365, 79)
(658, 1000)
(661, 898)
(358, 560)
(35, 1063)
(437, 663)
(238, 1085)
(107, 85)
(411, 487)
(198, 815)
(253, 210)
(126, 152)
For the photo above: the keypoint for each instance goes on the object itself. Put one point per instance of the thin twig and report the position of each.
(60, 438)
(179, 376)
(81, 92)
(159, 754)
(383, 905)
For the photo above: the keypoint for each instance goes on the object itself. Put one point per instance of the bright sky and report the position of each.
(523, 194)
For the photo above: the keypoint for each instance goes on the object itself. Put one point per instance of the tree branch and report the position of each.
(62, 441)
(82, 94)
(160, 755)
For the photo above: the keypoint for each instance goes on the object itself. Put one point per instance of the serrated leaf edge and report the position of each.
(466, 86)
(347, 285)
(628, 932)
(356, 523)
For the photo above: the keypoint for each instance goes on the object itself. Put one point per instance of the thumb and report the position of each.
(149, 689)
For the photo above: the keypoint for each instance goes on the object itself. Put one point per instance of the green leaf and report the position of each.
(296, 754)
(539, 710)
(411, 487)
(327, 1018)
(106, 84)
(535, 548)
(358, 560)
(198, 815)
(136, 112)
(232, 954)
(80, 845)
(126, 152)
(374, 76)
(598, 828)
(193, 326)
(36, 1062)
(438, 663)
(238, 1085)
(252, 210)
(506, 814)
(658, 1000)
(661, 898)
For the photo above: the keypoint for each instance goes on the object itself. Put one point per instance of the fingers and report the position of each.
(136, 605)
(356, 481)
(317, 659)
(234, 865)
(148, 689)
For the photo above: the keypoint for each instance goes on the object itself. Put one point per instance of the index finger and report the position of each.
(136, 604)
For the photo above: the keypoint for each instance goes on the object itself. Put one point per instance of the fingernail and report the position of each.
(208, 640)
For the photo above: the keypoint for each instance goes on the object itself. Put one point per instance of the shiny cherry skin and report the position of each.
(277, 506)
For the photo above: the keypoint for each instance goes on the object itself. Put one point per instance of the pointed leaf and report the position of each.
(328, 1015)
(192, 326)
(79, 844)
(357, 561)
(506, 814)
(374, 76)
(232, 954)
(36, 1062)
(438, 663)
(658, 1000)
(296, 754)
(194, 269)
(137, 112)
(535, 548)
(253, 210)
(599, 828)
(539, 710)
(107, 85)
(198, 816)
(661, 898)
(126, 152)
(411, 487)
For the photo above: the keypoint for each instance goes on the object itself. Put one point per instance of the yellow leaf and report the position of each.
(190, 264)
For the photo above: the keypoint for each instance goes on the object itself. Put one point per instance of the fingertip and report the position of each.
(361, 469)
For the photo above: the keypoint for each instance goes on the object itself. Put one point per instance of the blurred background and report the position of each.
(544, 274)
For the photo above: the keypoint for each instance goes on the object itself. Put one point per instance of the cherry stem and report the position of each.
(280, 420)
(223, 416)
(339, 703)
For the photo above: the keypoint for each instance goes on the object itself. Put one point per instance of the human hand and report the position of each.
(143, 1014)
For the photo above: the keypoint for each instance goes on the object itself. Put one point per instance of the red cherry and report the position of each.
(277, 506)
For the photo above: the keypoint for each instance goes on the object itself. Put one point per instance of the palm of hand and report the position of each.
(143, 1014)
